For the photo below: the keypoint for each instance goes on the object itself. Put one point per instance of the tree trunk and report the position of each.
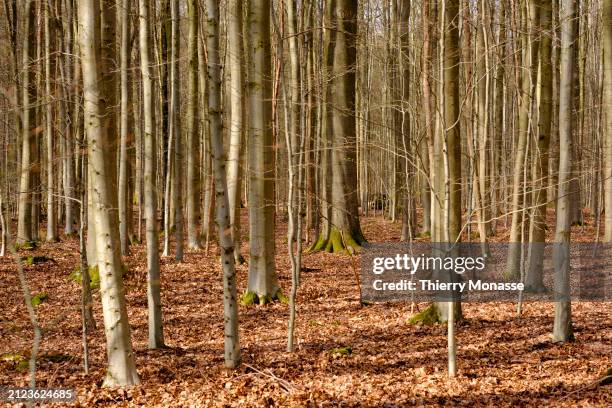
(345, 229)
(69, 135)
(193, 145)
(534, 280)
(525, 100)
(226, 246)
(121, 370)
(156, 333)
(607, 97)
(125, 203)
(175, 126)
(234, 176)
(263, 282)
(51, 213)
(24, 223)
(562, 328)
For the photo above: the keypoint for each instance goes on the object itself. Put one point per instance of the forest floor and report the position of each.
(503, 359)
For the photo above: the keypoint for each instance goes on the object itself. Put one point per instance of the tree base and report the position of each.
(338, 242)
(427, 317)
(252, 298)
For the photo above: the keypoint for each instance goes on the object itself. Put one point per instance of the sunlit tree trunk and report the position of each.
(68, 139)
(235, 61)
(562, 328)
(49, 131)
(607, 97)
(28, 94)
(121, 370)
(263, 282)
(527, 78)
(226, 246)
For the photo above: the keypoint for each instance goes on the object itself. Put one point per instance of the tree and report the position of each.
(262, 282)
(175, 127)
(124, 200)
(534, 276)
(562, 328)
(193, 147)
(529, 71)
(156, 333)
(51, 213)
(607, 83)
(28, 86)
(226, 245)
(235, 60)
(344, 227)
(121, 370)
(294, 143)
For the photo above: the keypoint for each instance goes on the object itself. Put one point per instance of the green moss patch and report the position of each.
(35, 260)
(39, 298)
(252, 298)
(346, 351)
(427, 317)
(94, 276)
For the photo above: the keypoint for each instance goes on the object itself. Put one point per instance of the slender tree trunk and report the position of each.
(562, 328)
(193, 145)
(427, 116)
(525, 100)
(121, 370)
(175, 126)
(156, 333)
(226, 246)
(534, 278)
(607, 98)
(28, 93)
(235, 61)
(69, 135)
(51, 213)
(124, 200)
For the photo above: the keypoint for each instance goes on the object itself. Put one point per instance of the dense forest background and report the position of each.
(174, 174)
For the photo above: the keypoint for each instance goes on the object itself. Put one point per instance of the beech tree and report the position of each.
(262, 282)
(156, 334)
(222, 217)
(562, 329)
(607, 97)
(121, 369)
(343, 228)
(28, 92)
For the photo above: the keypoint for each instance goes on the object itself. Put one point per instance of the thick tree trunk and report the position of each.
(263, 282)
(121, 370)
(226, 246)
(344, 229)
